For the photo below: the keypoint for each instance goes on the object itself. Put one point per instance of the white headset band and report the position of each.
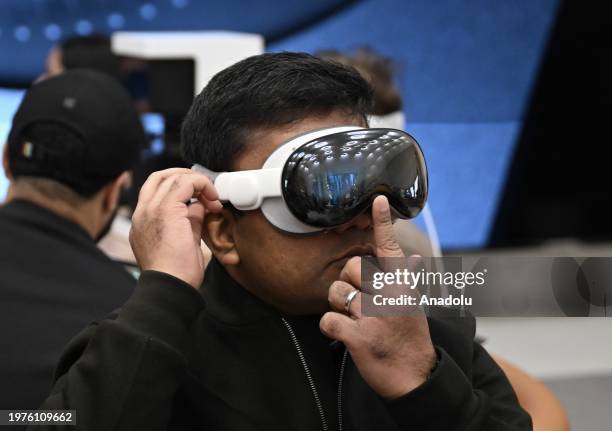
(393, 120)
(246, 190)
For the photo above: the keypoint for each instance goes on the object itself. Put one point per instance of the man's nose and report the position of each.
(361, 222)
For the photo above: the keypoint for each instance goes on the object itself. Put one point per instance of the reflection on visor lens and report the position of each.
(331, 180)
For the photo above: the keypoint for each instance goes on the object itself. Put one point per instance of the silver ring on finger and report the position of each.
(349, 298)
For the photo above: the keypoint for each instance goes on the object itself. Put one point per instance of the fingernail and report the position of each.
(384, 207)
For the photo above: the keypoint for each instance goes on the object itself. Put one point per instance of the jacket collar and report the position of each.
(229, 302)
(26, 212)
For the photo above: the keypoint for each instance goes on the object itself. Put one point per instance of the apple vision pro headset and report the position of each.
(325, 178)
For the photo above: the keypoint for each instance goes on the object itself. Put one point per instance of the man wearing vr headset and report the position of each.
(275, 338)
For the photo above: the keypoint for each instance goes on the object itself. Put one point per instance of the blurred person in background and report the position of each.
(74, 140)
(94, 52)
(545, 409)
(83, 52)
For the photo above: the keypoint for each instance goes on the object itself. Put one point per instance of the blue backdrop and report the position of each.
(465, 70)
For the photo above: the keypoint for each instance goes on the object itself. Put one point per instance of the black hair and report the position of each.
(90, 52)
(263, 91)
(60, 161)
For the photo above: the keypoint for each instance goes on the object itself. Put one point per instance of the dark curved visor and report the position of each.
(331, 180)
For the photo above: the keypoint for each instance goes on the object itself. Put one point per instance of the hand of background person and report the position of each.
(394, 355)
(167, 229)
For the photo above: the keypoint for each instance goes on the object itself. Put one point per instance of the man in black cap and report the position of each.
(73, 142)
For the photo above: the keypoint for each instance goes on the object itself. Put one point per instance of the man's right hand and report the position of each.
(167, 228)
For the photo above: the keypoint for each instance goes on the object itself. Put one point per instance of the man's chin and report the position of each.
(314, 308)
(317, 303)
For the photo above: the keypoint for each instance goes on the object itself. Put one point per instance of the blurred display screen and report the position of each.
(154, 126)
(9, 101)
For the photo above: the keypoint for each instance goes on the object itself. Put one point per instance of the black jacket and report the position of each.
(53, 282)
(174, 358)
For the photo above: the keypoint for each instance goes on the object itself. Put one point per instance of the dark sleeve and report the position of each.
(450, 400)
(122, 373)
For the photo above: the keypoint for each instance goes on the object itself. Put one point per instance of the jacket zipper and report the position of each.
(340, 381)
(311, 383)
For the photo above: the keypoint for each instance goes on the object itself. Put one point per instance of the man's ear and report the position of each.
(5, 162)
(219, 235)
(113, 191)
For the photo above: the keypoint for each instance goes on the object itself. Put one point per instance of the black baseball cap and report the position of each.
(90, 105)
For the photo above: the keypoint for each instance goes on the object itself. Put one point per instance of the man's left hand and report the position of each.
(394, 355)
